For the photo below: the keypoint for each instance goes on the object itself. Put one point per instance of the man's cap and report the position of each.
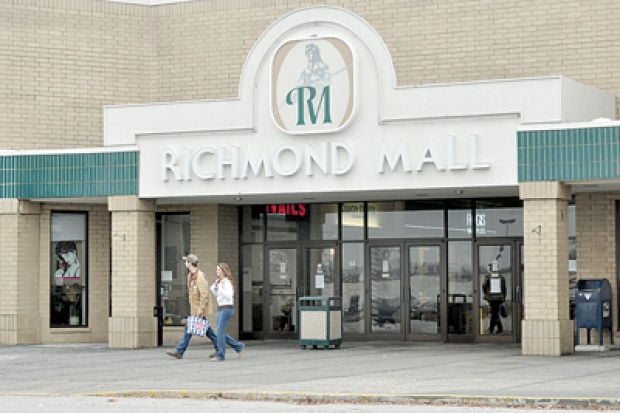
(191, 258)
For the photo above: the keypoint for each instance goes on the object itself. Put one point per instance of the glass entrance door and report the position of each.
(424, 284)
(498, 311)
(316, 276)
(320, 272)
(282, 291)
(173, 242)
(459, 301)
(385, 290)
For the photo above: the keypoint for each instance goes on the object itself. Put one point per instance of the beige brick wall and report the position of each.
(19, 246)
(61, 61)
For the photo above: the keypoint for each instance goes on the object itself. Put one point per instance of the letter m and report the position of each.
(305, 99)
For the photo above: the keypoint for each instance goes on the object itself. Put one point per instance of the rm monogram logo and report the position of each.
(313, 86)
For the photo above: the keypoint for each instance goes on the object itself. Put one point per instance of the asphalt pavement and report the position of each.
(358, 372)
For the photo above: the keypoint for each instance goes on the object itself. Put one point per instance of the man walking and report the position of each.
(199, 301)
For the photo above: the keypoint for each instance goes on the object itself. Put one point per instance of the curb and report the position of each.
(602, 403)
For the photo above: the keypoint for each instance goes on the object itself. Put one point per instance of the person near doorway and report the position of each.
(494, 289)
(199, 301)
(223, 288)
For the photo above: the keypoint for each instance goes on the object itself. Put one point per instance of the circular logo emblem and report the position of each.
(312, 86)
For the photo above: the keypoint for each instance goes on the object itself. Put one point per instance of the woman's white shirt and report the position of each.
(224, 292)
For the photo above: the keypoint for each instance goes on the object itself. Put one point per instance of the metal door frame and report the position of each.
(516, 244)
(441, 335)
(368, 291)
(302, 277)
(306, 273)
(268, 331)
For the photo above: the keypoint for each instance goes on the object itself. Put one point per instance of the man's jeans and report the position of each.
(187, 337)
(223, 317)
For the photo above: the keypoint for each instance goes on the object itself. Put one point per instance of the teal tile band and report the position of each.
(569, 154)
(69, 175)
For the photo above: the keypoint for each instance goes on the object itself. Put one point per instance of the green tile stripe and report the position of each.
(69, 175)
(569, 154)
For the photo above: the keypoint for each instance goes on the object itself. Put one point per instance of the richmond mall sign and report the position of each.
(313, 106)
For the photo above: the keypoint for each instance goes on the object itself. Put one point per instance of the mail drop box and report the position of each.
(593, 307)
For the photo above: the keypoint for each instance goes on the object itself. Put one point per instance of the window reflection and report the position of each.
(353, 287)
(460, 287)
(385, 289)
(424, 285)
(353, 221)
(404, 219)
(499, 222)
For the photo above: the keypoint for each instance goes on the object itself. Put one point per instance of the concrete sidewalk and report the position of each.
(358, 372)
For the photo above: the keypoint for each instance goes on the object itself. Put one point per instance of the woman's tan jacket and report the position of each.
(199, 297)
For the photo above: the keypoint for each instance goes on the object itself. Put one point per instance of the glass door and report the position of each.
(320, 272)
(173, 242)
(498, 311)
(459, 301)
(385, 290)
(282, 292)
(424, 286)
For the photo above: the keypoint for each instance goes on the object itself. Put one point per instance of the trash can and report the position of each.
(320, 321)
(457, 314)
(593, 308)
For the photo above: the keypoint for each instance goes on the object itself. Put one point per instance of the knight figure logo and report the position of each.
(313, 86)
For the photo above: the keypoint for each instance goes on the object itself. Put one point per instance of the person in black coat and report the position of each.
(494, 289)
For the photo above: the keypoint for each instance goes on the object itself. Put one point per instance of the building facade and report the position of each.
(392, 154)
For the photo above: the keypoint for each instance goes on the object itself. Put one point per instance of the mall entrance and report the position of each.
(405, 270)
(426, 291)
(415, 291)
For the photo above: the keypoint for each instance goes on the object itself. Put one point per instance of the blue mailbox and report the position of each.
(593, 308)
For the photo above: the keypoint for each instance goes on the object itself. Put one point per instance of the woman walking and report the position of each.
(224, 291)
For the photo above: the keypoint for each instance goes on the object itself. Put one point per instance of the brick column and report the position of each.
(132, 324)
(546, 329)
(20, 320)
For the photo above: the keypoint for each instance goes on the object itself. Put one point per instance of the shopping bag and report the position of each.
(197, 326)
(503, 310)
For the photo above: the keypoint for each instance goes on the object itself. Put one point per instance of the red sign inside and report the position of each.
(293, 210)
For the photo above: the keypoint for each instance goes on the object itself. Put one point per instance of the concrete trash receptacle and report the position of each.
(320, 321)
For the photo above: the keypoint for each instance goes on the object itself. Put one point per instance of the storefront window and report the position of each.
(461, 220)
(324, 221)
(252, 265)
(405, 219)
(68, 270)
(253, 228)
(353, 287)
(496, 220)
(174, 243)
(460, 287)
(287, 222)
(353, 221)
